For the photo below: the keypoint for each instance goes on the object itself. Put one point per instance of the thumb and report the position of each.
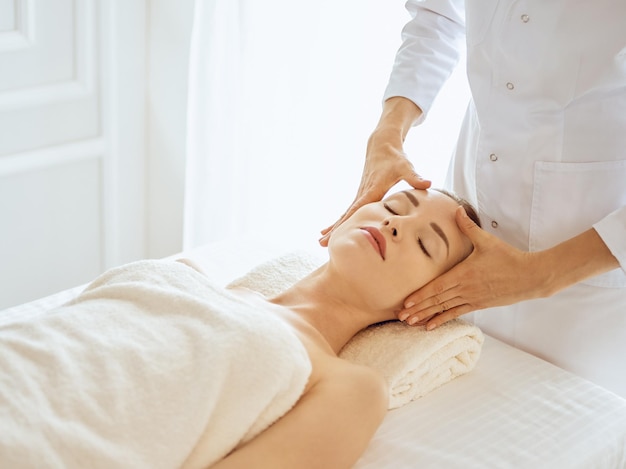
(417, 181)
(468, 227)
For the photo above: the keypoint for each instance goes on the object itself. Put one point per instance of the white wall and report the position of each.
(287, 97)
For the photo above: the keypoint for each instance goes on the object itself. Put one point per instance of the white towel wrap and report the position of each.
(150, 367)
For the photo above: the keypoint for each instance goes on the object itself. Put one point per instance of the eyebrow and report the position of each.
(442, 235)
(411, 197)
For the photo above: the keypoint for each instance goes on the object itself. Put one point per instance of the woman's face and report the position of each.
(398, 245)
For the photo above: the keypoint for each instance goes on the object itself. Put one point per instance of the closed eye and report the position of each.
(389, 209)
(419, 241)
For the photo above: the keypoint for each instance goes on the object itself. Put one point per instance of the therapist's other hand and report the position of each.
(386, 164)
(494, 274)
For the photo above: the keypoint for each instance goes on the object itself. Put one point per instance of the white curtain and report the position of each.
(282, 98)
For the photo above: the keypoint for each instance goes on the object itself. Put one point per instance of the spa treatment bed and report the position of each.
(494, 407)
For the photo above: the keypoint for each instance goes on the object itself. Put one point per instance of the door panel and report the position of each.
(72, 157)
(48, 89)
(52, 233)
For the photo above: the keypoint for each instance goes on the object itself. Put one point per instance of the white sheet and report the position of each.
(512, 411)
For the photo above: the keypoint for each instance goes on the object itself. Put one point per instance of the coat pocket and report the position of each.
(568, 198)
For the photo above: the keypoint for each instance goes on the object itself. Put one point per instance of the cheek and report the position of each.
(411, 276)
(347, 257)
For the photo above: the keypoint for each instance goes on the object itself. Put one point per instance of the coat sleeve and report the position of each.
(612, 230)
(431, 45)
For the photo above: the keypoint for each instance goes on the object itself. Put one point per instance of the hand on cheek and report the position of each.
(494, 274)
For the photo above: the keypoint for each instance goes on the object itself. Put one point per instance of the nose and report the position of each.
(391, 227)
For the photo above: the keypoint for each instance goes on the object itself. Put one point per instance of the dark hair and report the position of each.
(469, 208)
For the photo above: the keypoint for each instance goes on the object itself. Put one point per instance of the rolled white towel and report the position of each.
(413, 360)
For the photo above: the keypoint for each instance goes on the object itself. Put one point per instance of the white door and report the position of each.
(72, 133)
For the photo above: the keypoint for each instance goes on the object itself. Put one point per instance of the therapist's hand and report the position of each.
(386, 164)
(494, 274)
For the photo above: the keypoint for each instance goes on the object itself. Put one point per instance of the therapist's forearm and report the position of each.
(575, 260)
(399, 114)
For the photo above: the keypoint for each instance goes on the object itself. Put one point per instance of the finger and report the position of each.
(468, 227)
(330, 228)
(416, 181)
(327, 233)
(434, 292)
(423, 321)
(421, 298)
(368, 197)
(323, 241)
(358, 202)
(435, 310)
(449, 315)
(327, 230)
(418, 313)
(423, 309)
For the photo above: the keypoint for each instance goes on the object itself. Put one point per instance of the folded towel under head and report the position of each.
(414, 361)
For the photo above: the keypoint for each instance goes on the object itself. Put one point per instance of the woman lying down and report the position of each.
(152, 366)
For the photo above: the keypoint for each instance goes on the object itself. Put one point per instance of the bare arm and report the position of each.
(329, 427)
(398, 116)
(575, 260)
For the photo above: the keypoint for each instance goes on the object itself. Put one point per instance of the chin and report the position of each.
(350, 250)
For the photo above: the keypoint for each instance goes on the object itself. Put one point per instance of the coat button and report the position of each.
(510, 85)
(494, 224)
(493, 157)
(525, 18)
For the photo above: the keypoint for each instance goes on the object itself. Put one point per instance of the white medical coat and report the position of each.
(541, 152)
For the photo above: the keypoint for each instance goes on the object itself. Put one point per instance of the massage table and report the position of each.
(512, 410)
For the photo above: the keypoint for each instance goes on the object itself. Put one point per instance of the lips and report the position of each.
(376, 238)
